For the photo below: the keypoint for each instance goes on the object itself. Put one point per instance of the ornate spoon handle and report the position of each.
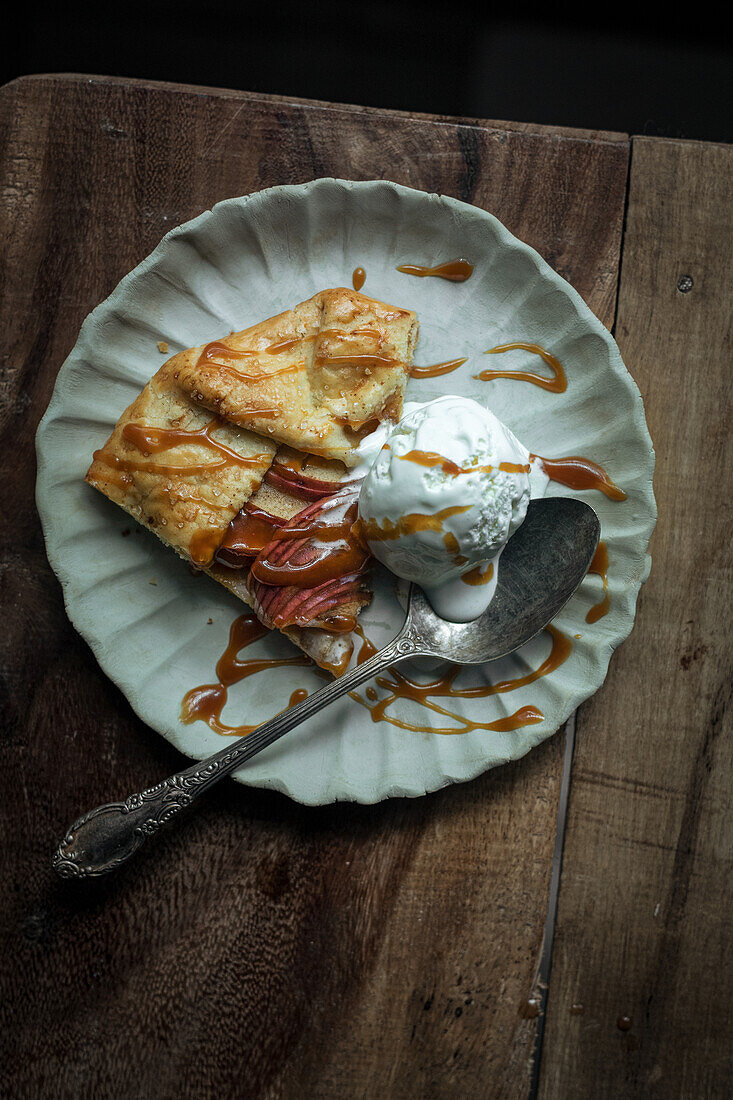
(107, 836)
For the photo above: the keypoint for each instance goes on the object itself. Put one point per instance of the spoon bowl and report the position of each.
(541, 567)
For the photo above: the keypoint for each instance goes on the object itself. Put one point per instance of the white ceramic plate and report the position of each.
(248, 259)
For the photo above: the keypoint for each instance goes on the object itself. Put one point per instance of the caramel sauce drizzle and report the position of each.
(452, 545)
(324, 532)
(358, 278)
(285, 345)
(400, 686)
(432, 459)
(248, 533)
(365, 362)
(476, 576)
(217, 350)
(204, 544)
(409, 524)
(367, 648)
(577, 472)
(220, 355)
(455, 271)
(557, 384)
(325, 565)
(206, 703)
(326, 561)
(340, 624)
(436, 369)
(599, 566)
(152, 441)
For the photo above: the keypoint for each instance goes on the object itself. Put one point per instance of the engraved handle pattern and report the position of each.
(107, 836)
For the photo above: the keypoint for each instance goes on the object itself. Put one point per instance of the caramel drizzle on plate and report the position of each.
(455, 271)
(436, 369)
(557, 384)
(577, 472)
(358, 278)
(206, 703)
(400, 686)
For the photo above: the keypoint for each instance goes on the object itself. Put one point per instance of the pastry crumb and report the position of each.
(162, 347)
(152, 581)
(209, 621)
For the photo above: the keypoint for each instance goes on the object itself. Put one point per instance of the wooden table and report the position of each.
(263, 949)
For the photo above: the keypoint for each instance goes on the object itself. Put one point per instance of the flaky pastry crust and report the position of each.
(318, 377)
(178, 470)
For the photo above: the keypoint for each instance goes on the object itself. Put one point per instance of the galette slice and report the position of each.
(179, 470)
(318, 377)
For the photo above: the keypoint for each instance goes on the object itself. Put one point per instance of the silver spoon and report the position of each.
(541, 567)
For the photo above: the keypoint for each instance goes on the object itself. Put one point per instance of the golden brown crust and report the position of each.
(184, 485)
(313, 377)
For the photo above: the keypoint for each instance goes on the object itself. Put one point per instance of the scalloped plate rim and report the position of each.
(399, 785)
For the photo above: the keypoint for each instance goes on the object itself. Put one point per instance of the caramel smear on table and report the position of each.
(530, 1009)
(557, 384)
(399, 686)
(455, 271)
(358, 278)
(599, 566)
(206, 703)
(436, 369)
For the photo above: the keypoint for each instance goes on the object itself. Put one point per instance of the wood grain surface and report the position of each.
(260, 948)
(644, 918)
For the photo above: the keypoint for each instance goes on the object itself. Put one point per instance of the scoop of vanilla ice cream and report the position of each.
(446, 492)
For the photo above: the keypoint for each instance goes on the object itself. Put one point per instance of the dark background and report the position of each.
(667, 74)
